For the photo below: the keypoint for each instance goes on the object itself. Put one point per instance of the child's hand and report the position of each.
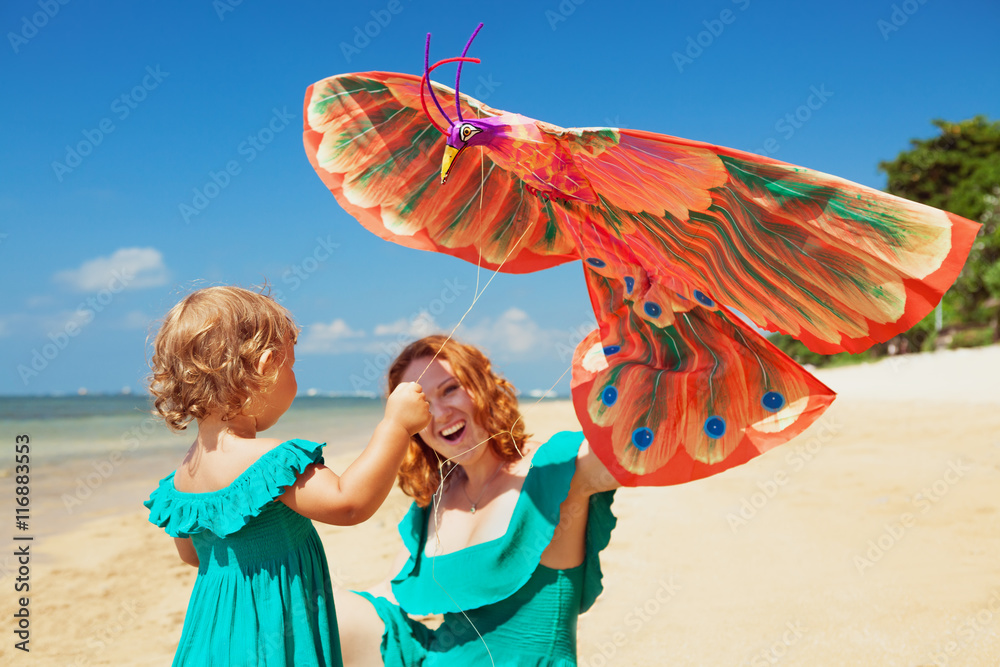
(407, 407)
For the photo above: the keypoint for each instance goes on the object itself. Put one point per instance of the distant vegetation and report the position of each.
(958, 171)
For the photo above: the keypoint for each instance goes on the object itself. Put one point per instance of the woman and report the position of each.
(506, 548)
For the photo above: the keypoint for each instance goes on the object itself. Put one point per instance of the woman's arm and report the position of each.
(185, 549)
(567, 548)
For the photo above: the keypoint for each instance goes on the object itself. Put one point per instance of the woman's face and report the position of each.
(452, 432)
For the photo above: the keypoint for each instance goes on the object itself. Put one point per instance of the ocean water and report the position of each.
(94, 456)
(72, 427)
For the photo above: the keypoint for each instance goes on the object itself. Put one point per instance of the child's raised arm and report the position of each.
(351, 498)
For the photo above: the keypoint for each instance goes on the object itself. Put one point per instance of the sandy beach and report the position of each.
(871, 539)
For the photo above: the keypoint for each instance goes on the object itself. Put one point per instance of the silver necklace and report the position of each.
(482, 492)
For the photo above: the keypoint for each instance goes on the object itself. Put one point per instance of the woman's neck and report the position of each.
(483, 471)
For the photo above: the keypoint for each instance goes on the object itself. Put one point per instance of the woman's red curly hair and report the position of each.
(495, 404)
(206, 353)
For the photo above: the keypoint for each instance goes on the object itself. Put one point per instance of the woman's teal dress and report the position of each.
(263, 594)
(525, 612)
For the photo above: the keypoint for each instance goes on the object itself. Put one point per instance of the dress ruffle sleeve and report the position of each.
(227, 510)
(486, 573)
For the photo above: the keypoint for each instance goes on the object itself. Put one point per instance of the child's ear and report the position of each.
(265, 361)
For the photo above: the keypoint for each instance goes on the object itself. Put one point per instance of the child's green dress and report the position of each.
(263, 594)
(526, 613)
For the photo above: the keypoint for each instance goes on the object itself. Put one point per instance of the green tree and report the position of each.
(958, 171)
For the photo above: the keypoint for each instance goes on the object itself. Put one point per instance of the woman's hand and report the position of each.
(408, 407)
(591, 475)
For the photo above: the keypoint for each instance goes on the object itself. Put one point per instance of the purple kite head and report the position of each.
(473, 132)
(462, 132)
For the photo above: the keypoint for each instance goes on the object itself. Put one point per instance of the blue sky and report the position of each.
(117, 115)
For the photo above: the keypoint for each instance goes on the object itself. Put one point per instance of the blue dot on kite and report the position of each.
(609, 396)
(629, 284)
(652, 309)
(642, 438)
(715, 427)
(773, 401)
(593, 261)
(702, 299)
(612, 349)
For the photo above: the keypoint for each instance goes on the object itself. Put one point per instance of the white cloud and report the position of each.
(514, 336)
(329, 338)
(421, 325)
(127, 268)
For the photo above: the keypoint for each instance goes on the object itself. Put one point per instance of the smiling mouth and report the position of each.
(453, 433)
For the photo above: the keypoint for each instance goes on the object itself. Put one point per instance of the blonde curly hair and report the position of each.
(496, 410)
(206, 353)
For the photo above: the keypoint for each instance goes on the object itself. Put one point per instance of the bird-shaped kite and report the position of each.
(673, 235)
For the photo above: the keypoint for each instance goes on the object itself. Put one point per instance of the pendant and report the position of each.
(473, 510)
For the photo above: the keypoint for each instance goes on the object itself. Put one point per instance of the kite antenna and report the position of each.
(426, 83)
(458, 76)
(427, 79)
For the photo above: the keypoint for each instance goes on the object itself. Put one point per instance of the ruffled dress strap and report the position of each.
(227, 510)
(486, 573)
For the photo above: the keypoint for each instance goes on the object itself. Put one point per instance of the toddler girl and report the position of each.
(239, 507)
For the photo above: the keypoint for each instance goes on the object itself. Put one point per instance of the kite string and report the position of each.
(441, 476)
(437, 497)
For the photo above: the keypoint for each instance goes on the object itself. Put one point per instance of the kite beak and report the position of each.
(449, 155)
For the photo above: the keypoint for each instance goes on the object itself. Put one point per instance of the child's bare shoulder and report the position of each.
(202, 471)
